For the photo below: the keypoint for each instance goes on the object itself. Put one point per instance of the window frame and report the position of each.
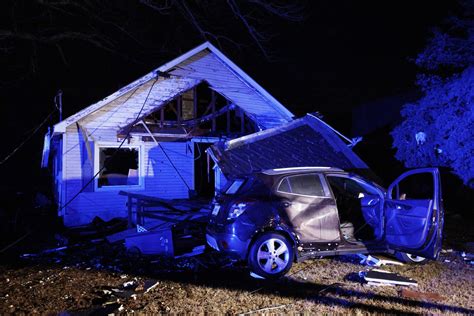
(141, 182)
(327, 192)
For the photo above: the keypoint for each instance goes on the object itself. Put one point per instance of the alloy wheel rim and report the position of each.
(273, 256)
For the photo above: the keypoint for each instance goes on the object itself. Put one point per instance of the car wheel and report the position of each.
(409, 258)
(271, 256)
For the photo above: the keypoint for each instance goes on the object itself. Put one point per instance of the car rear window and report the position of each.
(307, 184)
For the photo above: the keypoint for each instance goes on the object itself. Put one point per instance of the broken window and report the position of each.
(118, 166)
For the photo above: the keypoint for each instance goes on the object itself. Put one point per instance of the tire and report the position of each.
(409, 258)
(271, 256)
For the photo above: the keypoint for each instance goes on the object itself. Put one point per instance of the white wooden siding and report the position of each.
(161, 179)
(125, 109)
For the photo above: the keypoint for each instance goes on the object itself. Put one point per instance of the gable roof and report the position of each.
(301, 143)
(203, 63)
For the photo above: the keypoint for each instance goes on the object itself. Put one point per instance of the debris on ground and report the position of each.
(422, 296)
(98, 228)
(468, 257)
(148, 285)
(262, 310)
(376, 262)
(256, 276)
(382, 277)
(26, 255)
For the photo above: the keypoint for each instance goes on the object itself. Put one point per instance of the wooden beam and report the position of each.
(172, 108)
(149, 132)
(202, 119)
(130, 212)
(84, 133)
(179, 105)
(228, 119)
(195, 102)
(213, 105)
(162, 116)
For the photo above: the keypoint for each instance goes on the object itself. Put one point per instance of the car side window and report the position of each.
(284, 186)
(419, 186)
(307, 184)
(350, 187)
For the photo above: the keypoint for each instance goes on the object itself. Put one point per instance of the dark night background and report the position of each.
(342, 55)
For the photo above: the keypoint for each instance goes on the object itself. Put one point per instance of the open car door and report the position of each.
(414, 213)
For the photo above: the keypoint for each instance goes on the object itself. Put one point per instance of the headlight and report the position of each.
(236, 210)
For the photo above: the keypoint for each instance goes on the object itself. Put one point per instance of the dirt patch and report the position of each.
(100, 278)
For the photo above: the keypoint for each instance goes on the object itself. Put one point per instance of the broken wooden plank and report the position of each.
(195, 103)
(421, 296)
(213, 103)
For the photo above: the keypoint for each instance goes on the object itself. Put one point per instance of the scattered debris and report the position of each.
(382, 277)
(330, 286)
(468, 257)
(44, 252)
(15, 242)
(196, 251)
(155, 242)
(256, 276)
(422, 296)
(376, 262)
(98, 228)
(150, 285)
(130, 284)
(264, 309)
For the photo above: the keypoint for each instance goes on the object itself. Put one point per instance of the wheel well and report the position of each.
(275, 230)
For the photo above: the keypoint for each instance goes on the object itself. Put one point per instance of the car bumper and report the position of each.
(227, 243)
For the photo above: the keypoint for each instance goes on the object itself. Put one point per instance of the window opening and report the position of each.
(120, 167)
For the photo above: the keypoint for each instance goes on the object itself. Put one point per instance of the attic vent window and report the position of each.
(120, 166)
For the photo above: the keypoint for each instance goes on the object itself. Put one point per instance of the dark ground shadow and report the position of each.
(201, 271)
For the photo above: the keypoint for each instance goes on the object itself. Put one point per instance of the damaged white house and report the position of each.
(168, 118)
(151, 136)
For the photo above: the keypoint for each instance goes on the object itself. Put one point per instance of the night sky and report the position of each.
(344, 54)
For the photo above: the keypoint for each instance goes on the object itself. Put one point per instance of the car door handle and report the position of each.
(286, 204)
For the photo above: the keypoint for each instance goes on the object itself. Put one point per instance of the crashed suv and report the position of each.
(272, 218)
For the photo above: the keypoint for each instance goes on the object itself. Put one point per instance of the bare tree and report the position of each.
(134, 30)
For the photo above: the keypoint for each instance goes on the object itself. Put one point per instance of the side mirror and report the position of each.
(369, 201)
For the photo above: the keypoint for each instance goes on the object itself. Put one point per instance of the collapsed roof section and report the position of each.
(204, 63)
(303, 142)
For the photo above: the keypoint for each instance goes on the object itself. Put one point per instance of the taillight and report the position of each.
(237, 208)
